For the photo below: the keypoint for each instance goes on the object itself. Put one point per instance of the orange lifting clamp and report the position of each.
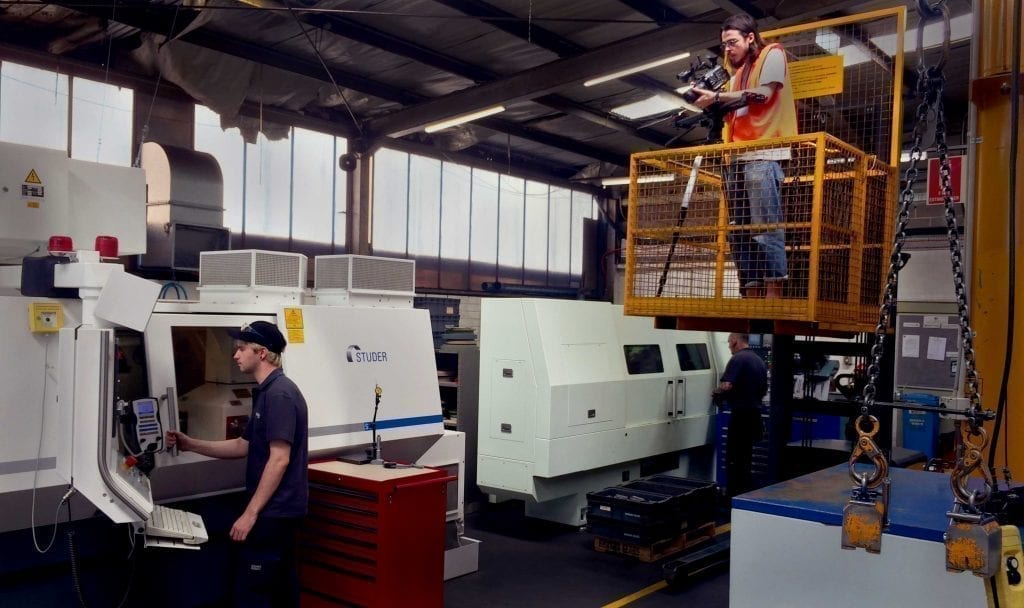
(867, 512)
(973, 538)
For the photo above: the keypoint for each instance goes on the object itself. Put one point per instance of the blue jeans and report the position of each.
(754, 197)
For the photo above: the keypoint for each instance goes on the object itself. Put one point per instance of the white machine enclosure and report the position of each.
(44, 193)
(337, 355)
(561, 414)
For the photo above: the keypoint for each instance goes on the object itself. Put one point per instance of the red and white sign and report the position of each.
(956, 180)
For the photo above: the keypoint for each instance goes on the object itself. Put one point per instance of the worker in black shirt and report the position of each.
(742, 387)
(276, 445)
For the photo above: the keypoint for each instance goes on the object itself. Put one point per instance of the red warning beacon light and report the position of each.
(61, 245)
(106, 246)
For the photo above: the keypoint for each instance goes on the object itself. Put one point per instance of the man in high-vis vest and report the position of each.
(760, 87)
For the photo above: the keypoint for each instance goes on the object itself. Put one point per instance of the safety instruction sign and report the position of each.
(816, 77)
(294, 324)
(293, 318)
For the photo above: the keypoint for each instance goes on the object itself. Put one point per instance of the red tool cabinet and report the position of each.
(374, 537)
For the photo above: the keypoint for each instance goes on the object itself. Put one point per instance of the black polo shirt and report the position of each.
(279, 413)
(748, 375)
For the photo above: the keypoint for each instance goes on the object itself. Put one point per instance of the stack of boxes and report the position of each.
(646, 513)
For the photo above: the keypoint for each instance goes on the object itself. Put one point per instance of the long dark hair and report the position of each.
(745, 24)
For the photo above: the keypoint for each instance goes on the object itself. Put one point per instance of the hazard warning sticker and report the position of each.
(33, 188)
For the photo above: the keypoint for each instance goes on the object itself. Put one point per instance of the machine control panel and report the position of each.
(148, 431)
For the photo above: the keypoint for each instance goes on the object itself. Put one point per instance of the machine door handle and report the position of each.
(680, 404)
(670, 397)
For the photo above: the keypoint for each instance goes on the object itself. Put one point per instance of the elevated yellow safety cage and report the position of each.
(691, 240)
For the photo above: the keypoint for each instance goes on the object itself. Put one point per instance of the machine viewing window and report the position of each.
(693, 357)
(643, 359)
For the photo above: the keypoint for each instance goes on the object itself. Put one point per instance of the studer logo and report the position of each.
(354, 354)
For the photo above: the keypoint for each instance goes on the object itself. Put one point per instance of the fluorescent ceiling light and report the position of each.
(656, 104)
(635, 69)
(458, 120)
(643, 179)
(959, 29)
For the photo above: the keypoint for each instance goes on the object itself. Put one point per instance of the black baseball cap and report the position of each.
(262, 333)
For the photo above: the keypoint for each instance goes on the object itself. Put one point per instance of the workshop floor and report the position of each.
(529, 562)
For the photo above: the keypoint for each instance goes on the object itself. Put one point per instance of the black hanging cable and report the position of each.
(156, 88)
(327, 70)
(1012, 267)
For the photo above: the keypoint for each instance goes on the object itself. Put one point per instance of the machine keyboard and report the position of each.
(175, 523)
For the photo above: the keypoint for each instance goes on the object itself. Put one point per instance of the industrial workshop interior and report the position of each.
(424, 303)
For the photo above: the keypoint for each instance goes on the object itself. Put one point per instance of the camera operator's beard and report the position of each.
(749, 57)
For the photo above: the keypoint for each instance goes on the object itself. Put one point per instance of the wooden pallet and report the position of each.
(657, 550)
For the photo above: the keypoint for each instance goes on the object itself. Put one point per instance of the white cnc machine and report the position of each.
(575, 397)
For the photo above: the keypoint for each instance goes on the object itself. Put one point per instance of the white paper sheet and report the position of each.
(936, 348)
(911, 346)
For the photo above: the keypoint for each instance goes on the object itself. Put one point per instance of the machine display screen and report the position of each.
(145, 407)
(693, 357)
(643, 359)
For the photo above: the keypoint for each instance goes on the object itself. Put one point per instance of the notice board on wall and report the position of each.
(927, 351)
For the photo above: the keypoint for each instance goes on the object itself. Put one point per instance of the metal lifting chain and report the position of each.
(930, 84)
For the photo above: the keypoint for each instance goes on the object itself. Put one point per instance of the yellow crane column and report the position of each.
(989, 273)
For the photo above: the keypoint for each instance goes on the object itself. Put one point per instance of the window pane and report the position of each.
(340, 195)
(558, 231)
(455, 193)
(536, 253)
(582, 207)
(510, 223)
(268, 180)
(390, 200)
(312, 185)
(229, 150)
(33, 106)
(643, 359)
(101, 122)
(483, 243)
(424, 206)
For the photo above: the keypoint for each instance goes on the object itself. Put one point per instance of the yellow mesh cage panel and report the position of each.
(704, 244)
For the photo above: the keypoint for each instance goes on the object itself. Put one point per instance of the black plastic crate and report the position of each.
(631, 505)
(634, 533)
(693, 499)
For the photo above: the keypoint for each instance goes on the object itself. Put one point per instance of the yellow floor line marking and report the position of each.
(629, 599)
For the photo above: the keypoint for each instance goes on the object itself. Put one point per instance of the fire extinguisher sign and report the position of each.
(956, 180)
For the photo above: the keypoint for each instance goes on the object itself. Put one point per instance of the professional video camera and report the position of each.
(708, 75)
(705, 74)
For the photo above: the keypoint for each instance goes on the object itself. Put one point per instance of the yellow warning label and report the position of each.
(32, 204)
(816, 77)
(296, 336)
(32, 177)
(293, 318)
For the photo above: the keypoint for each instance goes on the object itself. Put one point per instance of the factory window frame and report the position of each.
(501, 227)
(290, 188)
(38, 105)
(101, 122)
(33, 106)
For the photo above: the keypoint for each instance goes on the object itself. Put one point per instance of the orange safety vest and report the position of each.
(774, 118)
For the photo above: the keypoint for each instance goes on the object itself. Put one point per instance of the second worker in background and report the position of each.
(742, 387)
